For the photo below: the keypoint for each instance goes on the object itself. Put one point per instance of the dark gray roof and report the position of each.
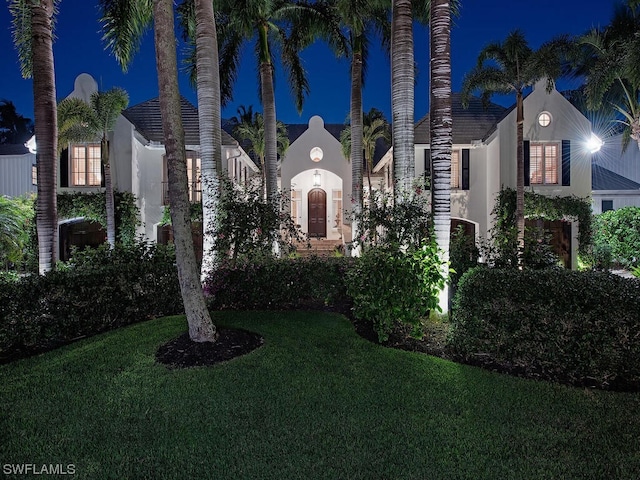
(603, 179)
(13, 149)
(146, 119)
(473, 123)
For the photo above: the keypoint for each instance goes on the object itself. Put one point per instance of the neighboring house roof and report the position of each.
(603, 179)
(13, 149)
(145, 117)
(472, 123)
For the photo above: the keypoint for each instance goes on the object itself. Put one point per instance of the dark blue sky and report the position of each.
(78, 48)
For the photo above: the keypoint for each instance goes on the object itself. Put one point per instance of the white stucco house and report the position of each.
(557, 159)
(137, 159)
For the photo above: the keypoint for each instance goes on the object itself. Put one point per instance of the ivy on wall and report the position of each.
(539, 206)
(92, 206)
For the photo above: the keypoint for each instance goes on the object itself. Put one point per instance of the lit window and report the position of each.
(193, 177)
(543, 163)
(337, 208)
(34, 175)
(296, 206)
(544, 119)
(85, 165)
(455, 169)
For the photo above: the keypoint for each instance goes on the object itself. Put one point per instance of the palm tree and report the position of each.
(611, 69)
(273, 24)
(14, 128)
(124, 21)
(402, 97)
(441, 131)
(515, 68)
(360, 20)
(249, 126)
(33, 38)
(375, 127)
(80, 121)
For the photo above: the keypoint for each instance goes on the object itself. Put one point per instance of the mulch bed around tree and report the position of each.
(181, 352)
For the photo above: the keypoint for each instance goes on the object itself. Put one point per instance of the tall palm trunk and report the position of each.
(201, 328)
(208, 87)
(441, 131)
(356, 133)
(108, 192)
(46, 130)
(520, 175)
(269, 108)
(402, 96)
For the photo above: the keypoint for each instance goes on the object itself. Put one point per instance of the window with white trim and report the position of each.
(543, 163)
(455, 169)
(34, 175)
(296, 206)
(337, 208)
(85, 165)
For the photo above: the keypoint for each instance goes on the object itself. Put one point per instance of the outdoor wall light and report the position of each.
(594, 144)
(316, 179)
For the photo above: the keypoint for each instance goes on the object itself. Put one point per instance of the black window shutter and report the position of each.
(566, 163)
(64, 168)
(527, 163)
(465, 169)
(427, 166)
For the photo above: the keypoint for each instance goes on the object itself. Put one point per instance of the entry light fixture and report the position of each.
(594, 144)
(316, 179)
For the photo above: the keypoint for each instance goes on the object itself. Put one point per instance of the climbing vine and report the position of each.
(549, 208)
(92, 206)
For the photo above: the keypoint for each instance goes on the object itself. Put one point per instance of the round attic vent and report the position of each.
(316, 154)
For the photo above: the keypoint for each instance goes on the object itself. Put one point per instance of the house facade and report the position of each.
(557, 160)
(137, 160)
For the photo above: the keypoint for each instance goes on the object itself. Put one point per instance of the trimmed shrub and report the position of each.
(390, 287)
(580, 328)
(102, 289)
(269, 283)
(618, 231)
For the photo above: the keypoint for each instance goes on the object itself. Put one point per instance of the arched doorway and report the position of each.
(79, 233)
(317, 201)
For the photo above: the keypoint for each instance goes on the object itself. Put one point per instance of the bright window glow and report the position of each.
(455, 169)
(543, 163)
(85, 165)
(316, 154)
(544, 119)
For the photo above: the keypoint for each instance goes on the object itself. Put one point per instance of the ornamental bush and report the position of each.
(389, 286)
(270, 283)
(617, 232)
(100, 290)
(576, 327)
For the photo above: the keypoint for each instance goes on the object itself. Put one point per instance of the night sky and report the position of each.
(78, 48)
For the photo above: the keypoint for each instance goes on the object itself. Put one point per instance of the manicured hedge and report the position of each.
(104, 290)
(280, 284)
(581, 328)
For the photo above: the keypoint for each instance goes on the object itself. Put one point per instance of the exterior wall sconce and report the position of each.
(316, 179)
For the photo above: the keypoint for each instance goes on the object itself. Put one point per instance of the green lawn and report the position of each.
(316, 401)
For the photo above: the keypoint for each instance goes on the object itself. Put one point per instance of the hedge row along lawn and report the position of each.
(315, 401)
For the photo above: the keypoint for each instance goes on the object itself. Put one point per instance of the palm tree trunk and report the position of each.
(108, 193)
(269, 108)
(520, 176)
(402, 96)
(356, 135)
(208, 89)
(46, 130)
(441, 132)
(201, 328)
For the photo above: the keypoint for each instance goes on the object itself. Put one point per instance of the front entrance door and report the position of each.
(317, 213)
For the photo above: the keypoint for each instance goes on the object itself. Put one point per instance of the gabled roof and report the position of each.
(13, 149)
(145, 117)
(473, 123)
(603, 179)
